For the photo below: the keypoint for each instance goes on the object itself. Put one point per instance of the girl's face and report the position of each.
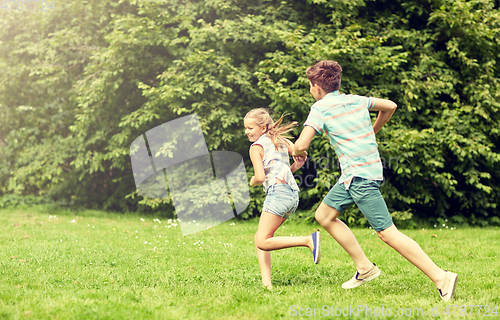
(252, 130)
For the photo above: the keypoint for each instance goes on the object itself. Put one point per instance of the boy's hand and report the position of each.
(303, 154)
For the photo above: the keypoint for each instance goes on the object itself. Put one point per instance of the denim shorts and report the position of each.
(281, 200)
(366, 195)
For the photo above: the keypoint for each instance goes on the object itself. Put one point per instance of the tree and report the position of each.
(82, 89)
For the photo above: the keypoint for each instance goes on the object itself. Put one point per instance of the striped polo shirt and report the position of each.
(346, 121)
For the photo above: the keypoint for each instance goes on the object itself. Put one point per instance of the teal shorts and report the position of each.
(366, 195)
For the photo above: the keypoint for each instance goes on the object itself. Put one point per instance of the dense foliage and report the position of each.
(80, 83)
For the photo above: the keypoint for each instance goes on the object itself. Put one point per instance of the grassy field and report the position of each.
(96, 265)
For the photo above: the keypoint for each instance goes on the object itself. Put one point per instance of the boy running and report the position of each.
(346, 121)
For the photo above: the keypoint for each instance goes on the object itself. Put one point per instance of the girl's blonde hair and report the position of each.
(276, 130)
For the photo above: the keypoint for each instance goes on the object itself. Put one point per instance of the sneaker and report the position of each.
(359, 278)
(316, 237)
(449, 286)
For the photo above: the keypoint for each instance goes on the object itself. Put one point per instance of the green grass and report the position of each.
(111, 266)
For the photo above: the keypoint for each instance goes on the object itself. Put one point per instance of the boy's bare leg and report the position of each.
(265, 267)
(409, 249)
(327, 217)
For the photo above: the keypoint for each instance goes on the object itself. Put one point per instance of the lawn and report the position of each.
(97, 265)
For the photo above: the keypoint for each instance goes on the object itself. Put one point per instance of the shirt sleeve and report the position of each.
(370, 102)
(315, 120)
(257, 143)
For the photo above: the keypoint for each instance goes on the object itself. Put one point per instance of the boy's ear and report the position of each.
(318, 88)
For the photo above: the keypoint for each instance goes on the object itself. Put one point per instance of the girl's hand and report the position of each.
(300, 160)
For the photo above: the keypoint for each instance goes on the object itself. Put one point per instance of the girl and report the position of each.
(270, 158)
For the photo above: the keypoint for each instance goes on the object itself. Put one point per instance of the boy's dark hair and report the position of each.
(325, 74)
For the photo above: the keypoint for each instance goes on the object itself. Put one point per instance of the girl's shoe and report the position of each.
(316, 237)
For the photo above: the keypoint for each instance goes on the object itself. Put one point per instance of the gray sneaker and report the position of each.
(361, 278)
(449, 286)
(316, 236)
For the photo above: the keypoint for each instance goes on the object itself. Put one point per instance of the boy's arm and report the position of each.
(298, 161)
(304, 141)
(386, 109)
(289, 145)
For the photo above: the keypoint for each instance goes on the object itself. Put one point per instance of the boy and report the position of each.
(346, 121)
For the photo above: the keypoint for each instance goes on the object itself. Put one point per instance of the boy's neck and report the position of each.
(336, 92)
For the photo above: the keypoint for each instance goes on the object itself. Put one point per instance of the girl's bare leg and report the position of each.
(265, 267)
(265, 242)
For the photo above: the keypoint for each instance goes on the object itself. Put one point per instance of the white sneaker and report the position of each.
(449, 286)
(361, 278)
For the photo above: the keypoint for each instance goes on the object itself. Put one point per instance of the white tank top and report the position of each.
(276, 163)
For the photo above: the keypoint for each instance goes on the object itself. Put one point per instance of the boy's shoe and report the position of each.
(316, 237)
(449, 286)
(360, 278)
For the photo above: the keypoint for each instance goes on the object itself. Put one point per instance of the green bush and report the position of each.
(75, 91)
(16, 201)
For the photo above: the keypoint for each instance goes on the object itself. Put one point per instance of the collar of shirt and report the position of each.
(334, 93)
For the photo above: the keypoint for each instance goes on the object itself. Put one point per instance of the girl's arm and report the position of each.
(256, 154)
(298, 160)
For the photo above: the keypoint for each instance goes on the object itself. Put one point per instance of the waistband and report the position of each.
(281, 186)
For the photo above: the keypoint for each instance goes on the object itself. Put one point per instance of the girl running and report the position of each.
(269, 153)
